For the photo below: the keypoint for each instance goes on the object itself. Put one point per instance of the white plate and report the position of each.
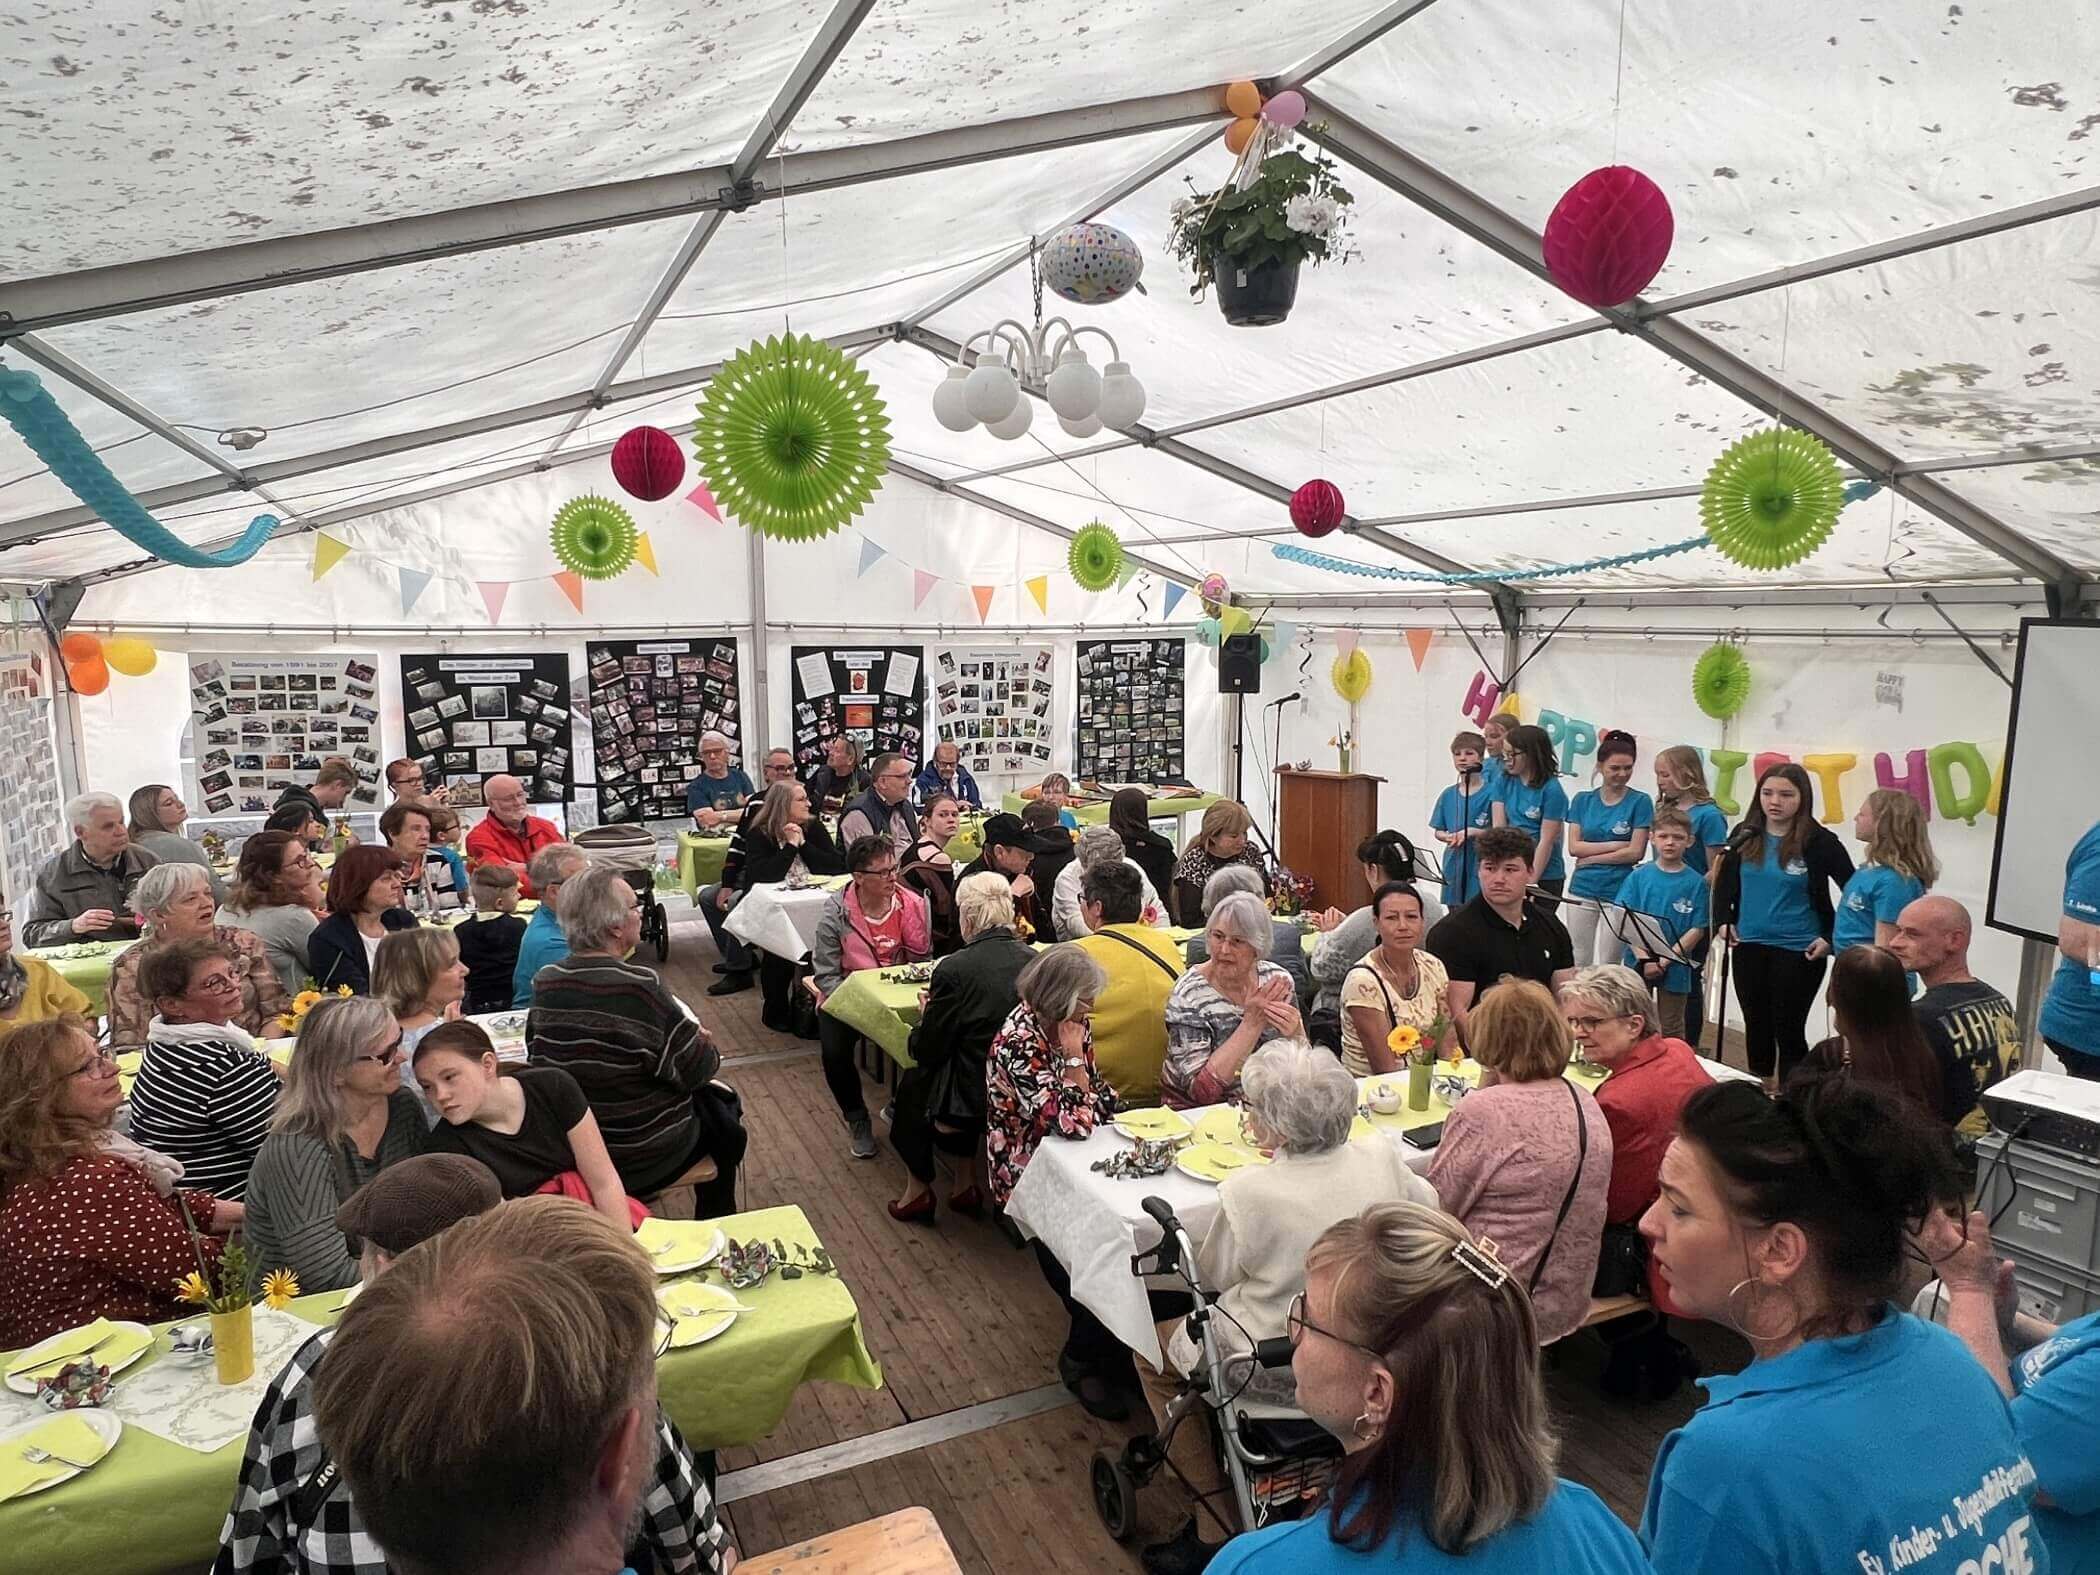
(27, 1386)
(680, 1258)
(107, 1425)
(711, 1322)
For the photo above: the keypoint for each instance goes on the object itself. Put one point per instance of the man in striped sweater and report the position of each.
(643, 1061)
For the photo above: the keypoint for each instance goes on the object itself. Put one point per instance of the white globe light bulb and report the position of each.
(948, 406)
(1081, 429)
(1074, 389)
(1122, 396)
(1015, 424)
(990, 392)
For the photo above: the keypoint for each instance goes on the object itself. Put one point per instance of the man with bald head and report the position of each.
(1970, 1026)
(507, 834)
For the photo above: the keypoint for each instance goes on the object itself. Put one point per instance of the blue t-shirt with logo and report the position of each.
(2071, 1010)
(1874, 893)
(1573, 1534)
(2056, 1413)
(1596, 821)
(1775, 909)
(1529, 808)
(1457, 810)
(1709, 830)
(1882, 1451)
(1493, 773)
(1676, 901)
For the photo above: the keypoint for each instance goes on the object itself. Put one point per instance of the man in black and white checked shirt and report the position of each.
(292, 1517)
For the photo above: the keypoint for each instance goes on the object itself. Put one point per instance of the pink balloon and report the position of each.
(1285, 110)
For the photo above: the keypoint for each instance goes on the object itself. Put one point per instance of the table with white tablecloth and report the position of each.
(1094, 1225)
(779, 919)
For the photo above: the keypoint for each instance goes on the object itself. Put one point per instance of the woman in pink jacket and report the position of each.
(873, 923)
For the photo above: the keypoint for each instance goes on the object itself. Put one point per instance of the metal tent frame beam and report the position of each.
(1021, 516)
(1471, 214)
(837, 31)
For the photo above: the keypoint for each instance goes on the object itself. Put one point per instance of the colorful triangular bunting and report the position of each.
(1174, 595)
(644, 554)
(412, 583)
(983, 593)
(705, 501)
(1039, 588)
(1418, 644)
(1345, 642)
(492, 594)
(328, 552)
(571, 584)
(1130, 572)
(870, 555)
(921, 583)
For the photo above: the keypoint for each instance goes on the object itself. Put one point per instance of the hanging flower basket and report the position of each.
(1281, 209)
(1259, 297)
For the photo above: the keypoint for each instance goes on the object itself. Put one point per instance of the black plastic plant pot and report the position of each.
(1257, 297)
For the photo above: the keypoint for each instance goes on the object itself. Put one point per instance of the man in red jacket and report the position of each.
(507, 834)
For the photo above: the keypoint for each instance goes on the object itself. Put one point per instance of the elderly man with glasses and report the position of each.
(885, 809)
(721, 789)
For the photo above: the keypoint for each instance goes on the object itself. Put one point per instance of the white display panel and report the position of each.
(2051, 790)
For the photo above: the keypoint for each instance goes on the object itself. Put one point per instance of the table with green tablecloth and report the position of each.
(1096, 814)
(152, 1504)
(700, 857)
(85, 965)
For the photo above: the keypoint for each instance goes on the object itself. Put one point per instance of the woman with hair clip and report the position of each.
(1878, 1040)
(1899, 870)
(1608, 834)
(1772, 903)
(1531, 799)
(1414, 1346)
(1859, 1437)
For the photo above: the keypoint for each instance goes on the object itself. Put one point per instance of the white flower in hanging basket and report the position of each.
(1312, 214)
(1181, 209)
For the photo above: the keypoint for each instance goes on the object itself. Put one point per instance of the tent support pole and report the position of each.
(759, 713)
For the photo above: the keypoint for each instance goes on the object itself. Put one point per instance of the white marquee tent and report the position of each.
(444, 255)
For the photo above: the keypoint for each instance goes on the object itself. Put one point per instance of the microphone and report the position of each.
(1284, 700)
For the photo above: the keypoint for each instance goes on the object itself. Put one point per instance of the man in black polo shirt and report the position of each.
(1499, 932)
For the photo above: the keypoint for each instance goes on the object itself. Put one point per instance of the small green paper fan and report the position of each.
(593, 537)
(1096, 559)
(1721, 681)
(1771, 499)
(792, 438)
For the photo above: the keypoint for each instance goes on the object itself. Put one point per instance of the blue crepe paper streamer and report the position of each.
(52, 437)
(1320, 560)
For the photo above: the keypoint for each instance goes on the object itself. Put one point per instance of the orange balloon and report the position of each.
(1243, 99)
(89, 676)
(81, 647)
(1239, 134)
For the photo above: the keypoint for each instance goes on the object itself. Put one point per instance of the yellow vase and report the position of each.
(233, 1344)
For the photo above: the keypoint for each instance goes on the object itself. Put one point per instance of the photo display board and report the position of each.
(1129, 711)
(260, 723)
(470, 718)
(994, 705)
(871, 692)
(650, 702)
(32, 813)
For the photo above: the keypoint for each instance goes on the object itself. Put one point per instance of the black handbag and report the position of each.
(719, 1111)
(802, 1008)
(1622, 1262)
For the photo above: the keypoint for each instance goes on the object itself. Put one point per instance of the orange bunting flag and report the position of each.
(328, 552)
(984, 594)
(493, 593)
(1039, 588)
(645, 555)
(1418, 644)
(571, 584)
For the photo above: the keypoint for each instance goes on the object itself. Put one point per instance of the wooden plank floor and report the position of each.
(957, 1317)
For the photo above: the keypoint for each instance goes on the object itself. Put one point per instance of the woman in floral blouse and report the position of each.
(174, 903)
(89, 1227)
(1039, 1080)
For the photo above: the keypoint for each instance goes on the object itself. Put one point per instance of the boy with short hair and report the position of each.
(1055, 790)
(1671, 896)
(490, 936)
(1462, 812)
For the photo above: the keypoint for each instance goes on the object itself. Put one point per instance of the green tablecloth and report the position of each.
(153, 1505)
(1097, 814)
(88, 973)
(700, 861)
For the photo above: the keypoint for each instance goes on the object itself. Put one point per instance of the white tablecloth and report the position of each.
(1094, 1225)
(777, 920)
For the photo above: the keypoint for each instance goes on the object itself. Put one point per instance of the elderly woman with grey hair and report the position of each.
(1286, 940)
(1226, 1006)
(645, 1065)
(1041, 1081)
(1097, 845)
(174, 902)
(1301, 1104)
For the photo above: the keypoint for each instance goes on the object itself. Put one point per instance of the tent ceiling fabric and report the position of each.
(142, 137)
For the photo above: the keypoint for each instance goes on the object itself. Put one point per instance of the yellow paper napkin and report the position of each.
(55, 1352)
(67, 1435)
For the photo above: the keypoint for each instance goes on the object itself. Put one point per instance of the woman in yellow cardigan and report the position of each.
(30, 988)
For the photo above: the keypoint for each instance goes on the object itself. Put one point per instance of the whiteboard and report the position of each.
(2050, 795)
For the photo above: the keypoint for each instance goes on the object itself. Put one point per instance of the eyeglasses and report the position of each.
(1589, 1025)
(384, 1057)
(407, 777)
(887, 872)
(100, 1064)
(664, 1330)
(1297, 1326)
(217, 984)
(7, 915)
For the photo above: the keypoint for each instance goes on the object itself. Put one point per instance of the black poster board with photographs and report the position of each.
(470, 718)
(650, 702)
(261, 722)
(869, 691)
(1129, 711)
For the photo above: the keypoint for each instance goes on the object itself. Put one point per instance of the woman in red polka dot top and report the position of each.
(88, 1223)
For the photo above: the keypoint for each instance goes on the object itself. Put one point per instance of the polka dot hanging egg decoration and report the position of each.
(1091, 264)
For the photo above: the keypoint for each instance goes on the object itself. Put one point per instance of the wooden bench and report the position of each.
(1603, 1309)
(906, 1543)
(677, 1201)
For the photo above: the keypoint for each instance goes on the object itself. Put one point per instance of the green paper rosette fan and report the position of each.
(593, 537)
(1096, 559)
(1771, 499)
(1721, 681)
(792, 438)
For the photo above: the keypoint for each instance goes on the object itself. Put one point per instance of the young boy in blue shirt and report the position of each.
(1671, 896)
(1462, 812)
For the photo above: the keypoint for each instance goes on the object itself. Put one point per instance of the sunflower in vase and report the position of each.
(305, 1001)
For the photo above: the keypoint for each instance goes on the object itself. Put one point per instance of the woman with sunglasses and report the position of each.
(205, 1091)
(344, 1118)
(89, 1223)
(1415, 1346)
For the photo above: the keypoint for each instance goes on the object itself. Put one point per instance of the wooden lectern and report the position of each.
(1323, 816)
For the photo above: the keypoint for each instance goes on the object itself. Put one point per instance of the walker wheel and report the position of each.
(1115, 1495)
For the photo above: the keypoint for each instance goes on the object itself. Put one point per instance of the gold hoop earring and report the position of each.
(1744, 1322)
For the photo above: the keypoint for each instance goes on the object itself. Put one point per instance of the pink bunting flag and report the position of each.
(493, 593)
(921, 583)
(705, 500)
(1345, 642)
